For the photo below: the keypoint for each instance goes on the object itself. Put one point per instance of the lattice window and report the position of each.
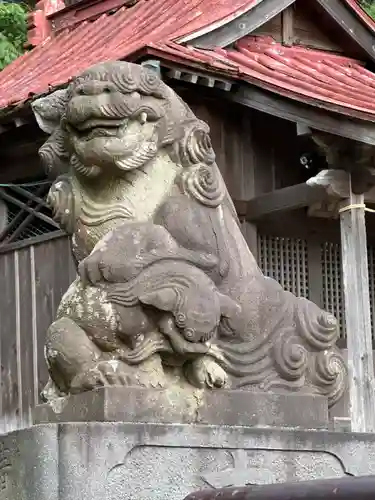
(333, 299)
(24, 212)
(286, 261)
(332, 293)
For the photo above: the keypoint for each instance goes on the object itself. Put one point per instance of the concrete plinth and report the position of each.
(113, 461)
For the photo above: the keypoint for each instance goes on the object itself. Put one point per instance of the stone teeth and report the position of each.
(143, 117)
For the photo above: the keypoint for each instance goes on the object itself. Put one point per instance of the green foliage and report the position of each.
(369, 7)
(13, 32)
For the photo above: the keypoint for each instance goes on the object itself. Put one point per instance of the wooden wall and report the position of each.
(33, 279)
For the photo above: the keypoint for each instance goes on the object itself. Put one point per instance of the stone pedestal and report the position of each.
(138, 444)
(191, 406)
(123, 461)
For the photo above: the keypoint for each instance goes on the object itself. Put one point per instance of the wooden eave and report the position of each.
(312, 115)
(233, 29)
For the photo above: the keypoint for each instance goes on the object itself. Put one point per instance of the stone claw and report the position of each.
(50, 392)
(205, 372)
(105, 373)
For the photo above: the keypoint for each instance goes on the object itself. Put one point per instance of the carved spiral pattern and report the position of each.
(204, 185)
(290, 358)
(318, 328)
(330, 374)
(54, 155)
(61, 200)
(180, 319)
(150, 84)
(125, 81)
(195, 146)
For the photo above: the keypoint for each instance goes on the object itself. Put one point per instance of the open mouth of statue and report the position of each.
(90, 129)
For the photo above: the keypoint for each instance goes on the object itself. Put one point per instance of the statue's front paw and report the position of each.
(205, 372)
(105, 373)
(91, 268)
(50, 392)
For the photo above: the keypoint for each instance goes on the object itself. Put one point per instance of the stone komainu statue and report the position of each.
(167, 293)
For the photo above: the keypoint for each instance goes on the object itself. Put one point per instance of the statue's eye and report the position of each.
(189, 333)
(180, 320)
(107, 90)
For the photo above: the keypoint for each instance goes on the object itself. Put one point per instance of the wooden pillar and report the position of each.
(357, 313)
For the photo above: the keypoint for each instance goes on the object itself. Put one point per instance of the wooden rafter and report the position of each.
(281, 200)
(329, 186)
(313, 117)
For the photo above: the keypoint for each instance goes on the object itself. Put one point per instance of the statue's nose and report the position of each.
(94, 88)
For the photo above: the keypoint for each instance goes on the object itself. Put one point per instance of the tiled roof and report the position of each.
(317, 77)
(114, 36)
(312, 76)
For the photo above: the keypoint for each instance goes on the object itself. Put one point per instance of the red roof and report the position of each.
(320, 78)
(317, 77)
(109, 37)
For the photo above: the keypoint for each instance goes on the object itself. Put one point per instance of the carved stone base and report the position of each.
(112, 461)
(176, 405)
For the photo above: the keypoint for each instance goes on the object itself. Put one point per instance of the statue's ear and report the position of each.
(49, 110)
(164, 299)
(229, 308)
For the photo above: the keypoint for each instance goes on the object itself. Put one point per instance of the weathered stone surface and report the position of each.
(29, 464)
(112, 461)
(197, 406)
(168, 291)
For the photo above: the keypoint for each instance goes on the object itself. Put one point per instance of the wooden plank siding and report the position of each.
(33, 280)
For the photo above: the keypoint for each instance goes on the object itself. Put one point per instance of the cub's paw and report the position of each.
(205, 372)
